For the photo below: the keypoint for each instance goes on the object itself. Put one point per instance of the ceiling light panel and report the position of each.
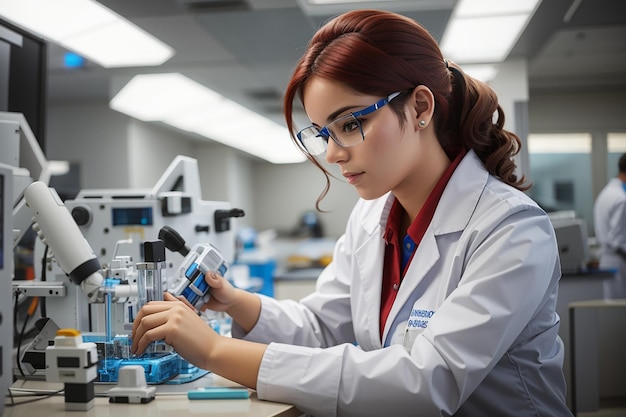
(187, 105)
(481, 39)
(89, 29)
(485, 31)
(473, 8)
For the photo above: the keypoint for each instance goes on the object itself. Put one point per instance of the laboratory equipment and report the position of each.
(571, 237)
(6, 275)
(74, 362)
(57, 229)
(21, 162)
(110, 288)
(151, 275)
(131, 387)
(116, 222)
(108, 217)
(202, 258)
(22, 153)
(100, 297)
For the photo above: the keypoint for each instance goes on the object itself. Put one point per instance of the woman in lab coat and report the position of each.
(440, 299)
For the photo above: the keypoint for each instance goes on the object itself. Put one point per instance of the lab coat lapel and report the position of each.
(370, 272)
(423, 261)
(369, 263)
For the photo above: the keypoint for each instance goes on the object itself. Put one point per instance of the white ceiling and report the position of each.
(246, 49)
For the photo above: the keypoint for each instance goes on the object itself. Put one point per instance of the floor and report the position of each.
(606, 412)
(612, 408)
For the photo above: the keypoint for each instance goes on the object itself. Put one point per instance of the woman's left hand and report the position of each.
(178, 325)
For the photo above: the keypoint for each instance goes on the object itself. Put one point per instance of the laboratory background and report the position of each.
(113, 116)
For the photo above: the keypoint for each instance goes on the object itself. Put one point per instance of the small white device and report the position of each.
(131, 387)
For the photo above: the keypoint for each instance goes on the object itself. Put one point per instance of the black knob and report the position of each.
(222, 218)
(81, 215)
(173, 240)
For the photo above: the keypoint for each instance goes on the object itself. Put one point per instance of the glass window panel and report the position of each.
(616, 146)
(560, 170)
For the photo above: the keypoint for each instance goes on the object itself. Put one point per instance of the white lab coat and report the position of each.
(472, 332)
(609, 213)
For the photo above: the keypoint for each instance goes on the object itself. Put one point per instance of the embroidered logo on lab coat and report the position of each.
(419, 318)
(418, 321)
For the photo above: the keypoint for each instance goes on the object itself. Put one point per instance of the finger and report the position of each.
(183, 300)
(146, 311)
(167, 296)
(213, 279)
(149, 328)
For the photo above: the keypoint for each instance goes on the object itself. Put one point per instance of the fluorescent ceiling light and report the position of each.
(483, 31)
(58, 167)
(327, 8)
(482, 72)
(187, 105)
(472, 8)
(486, 39)
(344, 1)
(616, 142)
(89, 29)
(559, 143)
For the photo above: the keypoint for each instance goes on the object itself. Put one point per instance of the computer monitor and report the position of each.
(572, 240)
(23, 72)
(6, 276)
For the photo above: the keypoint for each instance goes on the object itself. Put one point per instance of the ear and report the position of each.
(422, 106)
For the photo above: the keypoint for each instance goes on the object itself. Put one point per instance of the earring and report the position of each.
(422, 123)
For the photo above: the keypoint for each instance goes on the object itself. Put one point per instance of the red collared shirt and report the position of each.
(399, 251)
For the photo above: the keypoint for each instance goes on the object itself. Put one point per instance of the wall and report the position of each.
(511, 86)
(596, 112)
(94, 136)
(283, 193)
(150, 150)
(577, 111)
(118, 152)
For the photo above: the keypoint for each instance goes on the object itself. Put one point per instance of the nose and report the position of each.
(336, 154)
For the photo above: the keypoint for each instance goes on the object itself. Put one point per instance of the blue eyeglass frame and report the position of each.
(369, 109)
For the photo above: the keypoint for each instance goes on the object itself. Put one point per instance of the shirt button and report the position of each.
(408, 246)
(395, 287)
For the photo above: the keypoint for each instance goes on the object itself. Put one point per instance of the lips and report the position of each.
(352, 177)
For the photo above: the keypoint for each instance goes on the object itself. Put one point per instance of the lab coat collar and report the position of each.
(459, 199)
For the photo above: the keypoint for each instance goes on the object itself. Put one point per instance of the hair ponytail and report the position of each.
(473, 106)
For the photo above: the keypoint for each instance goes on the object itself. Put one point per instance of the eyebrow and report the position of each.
(337, 112)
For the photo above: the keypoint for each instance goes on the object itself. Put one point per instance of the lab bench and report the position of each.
(597, 344)
(295, 284)
(576, 287)
(170, 400)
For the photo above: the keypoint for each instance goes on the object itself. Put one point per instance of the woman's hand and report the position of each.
(223, 294)
(243, 307)
(178, 325)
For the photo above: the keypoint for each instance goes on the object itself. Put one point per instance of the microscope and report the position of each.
(123, 288)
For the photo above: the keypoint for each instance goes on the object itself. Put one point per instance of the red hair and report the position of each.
(376, 52)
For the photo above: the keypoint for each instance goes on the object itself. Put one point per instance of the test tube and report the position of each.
(150, 277)
(152, 273)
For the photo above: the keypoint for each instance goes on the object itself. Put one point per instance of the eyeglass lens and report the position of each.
(313, 141)
(346, 131)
